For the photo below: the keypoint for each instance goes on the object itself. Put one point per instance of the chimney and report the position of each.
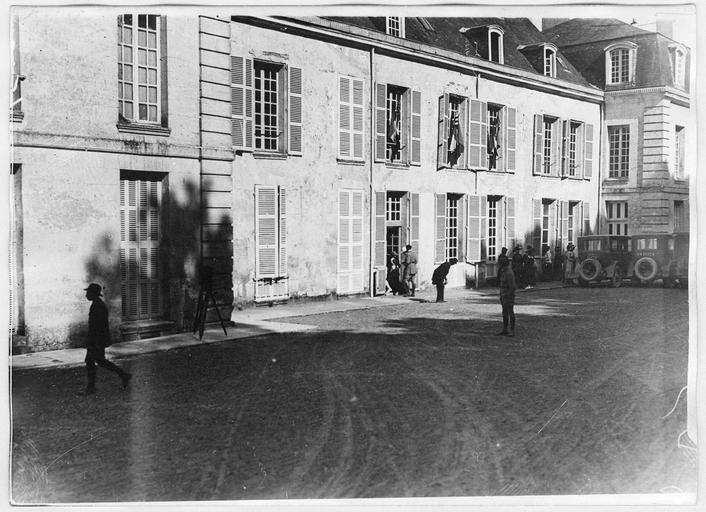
(665, 27)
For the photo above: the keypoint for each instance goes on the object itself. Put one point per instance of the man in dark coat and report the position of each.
(507, 298)
(501, 258)
(438, 278)
(98, 340)
(409, 269)
(517, 265)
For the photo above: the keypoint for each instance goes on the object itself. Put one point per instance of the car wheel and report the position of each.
(617, 278)
(646, 269)
(589, 269)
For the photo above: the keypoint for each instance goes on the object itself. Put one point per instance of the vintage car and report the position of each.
(679, 265)
(604, 257)
(653, 255)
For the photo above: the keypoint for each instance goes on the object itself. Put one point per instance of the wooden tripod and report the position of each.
(206, 295)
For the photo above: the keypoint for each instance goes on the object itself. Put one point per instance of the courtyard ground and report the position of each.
(411, 399)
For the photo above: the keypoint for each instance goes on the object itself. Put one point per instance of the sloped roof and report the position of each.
(583, 42)
(446, 34)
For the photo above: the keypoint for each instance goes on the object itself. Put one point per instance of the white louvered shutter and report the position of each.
(538, 144)
(344, 242)
(380, 233)
(358, 119)
(295, 111)
(588, 152)
(442, 147)
(536, 224)
(510, 231)
(416, 139)
(357, 240)
(478, 135)
(565, 125)
(266, 235)
(242, 103)
(475, 231)
(345, 130)
(414, 221)
(511, 140)
(283, 268)
(440, 231)
(380, 122)
(564, 229)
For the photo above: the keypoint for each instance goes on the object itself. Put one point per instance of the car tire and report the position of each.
(646, 269)
(617, 278)
(590, 269)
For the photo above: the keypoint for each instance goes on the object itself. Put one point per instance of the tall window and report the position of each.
(17, 77)
(681, 220)
(619, 151)
(573, 147)
(679, 152)
(617, 214)
(493, 227)
(267, 106)
(619, 65)
(393, 208)
(139, 74)
(549, 62)
(548, 126)
(494, 135)
(572, 217)
(677, 56)
(546, 224)
(395, 26)
(394, 123)
(457, 136)
(495, 45)
(452, 217)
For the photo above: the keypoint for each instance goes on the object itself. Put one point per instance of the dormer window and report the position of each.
(394, 26)
(677, 56)
(549, 62)
(495, 44)
(620, 63)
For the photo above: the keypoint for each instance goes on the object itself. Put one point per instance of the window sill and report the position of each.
(143, 129)
(550, 176)
(16, 116)
(262, 155)
(396, 165)
(349, 161)
(617, 181)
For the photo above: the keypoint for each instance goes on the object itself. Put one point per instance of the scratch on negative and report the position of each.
(550, 419)
(93, 436)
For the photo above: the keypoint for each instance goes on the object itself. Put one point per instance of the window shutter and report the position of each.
(588, 154)
(478, 136)
(483, 228)
(440, 245)
(344, 117)
(380, 122)
(344, 234)
(537, 224)
(510, 223)
(442, 148)
(475, 230)
(554, 218)
(241, 103)
(414, 221)
(511, 140)
(283, 269)
(564, 205)
(380, 229)
(538, 146)
(358, 109)
(295, 111)
(416, 154)
(564, 148)
(266, 231)
(357, 240)
(586, 207)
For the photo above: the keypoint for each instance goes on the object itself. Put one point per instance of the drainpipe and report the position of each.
(371, 281)
(599, 166)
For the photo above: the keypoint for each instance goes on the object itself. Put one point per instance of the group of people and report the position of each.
(523, 266)
(402, 272)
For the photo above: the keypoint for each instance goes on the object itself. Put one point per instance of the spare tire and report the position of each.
(589, 269)
(646, 268)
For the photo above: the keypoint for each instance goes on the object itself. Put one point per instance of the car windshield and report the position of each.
(647, 243)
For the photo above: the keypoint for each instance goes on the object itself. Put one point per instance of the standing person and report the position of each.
(529, 269)
(507, 298)
(558, 267)
(439, 278)
(517, 265)
(546, 263)
(98, 340)
(393, 274)
(570, 262)
(501, 258)
(409, 265)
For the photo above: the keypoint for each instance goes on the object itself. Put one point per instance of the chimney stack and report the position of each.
(665, 27)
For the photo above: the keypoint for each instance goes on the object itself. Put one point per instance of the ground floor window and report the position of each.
(350, 241)
(493, 226)
(140, 236)
(547, 205)
(452, 225)
(617, 215)
(573, 220)
(681, 218)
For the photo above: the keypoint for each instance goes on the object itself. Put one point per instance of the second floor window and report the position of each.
(617, 215)
(574, 153)
(620, 63)
(394, 123)
(548, 142)
(619, 151)
(394, 26)
(139, 73)
(267, 107)
(679, 152)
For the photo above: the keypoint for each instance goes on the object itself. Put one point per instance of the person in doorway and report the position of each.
(394, 282)
(98, 340)
(529, 268)
(507, 298)
(438, 278)
(409, 267)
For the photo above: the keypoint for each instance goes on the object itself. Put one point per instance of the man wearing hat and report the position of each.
(98, 339)
(517, 265)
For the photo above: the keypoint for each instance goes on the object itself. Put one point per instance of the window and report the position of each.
(618, 152)
(617, 215)
(140, 74)
(679, 152)
(17, 77)
(681, 218)
(457, 132)
(547, 145)
(271, 281)
(495, 44)
(546, 224)
(493, 234)
(573, 221)
(452, 225)
(549, 148)
(620, 63)
(350, 121)
(394, 26)
(350, 241)
(549, 62)
(646, 244)
(393, 207)
(678, 60)
(495, 135)
(268, 111)
(574, 148)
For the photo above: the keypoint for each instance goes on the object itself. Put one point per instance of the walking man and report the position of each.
(439, 278)
(507, 298)
(98, 340)
(409, 265)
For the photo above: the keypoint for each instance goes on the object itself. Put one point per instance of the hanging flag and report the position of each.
(455, 143)
(393, 129)
(492, 146)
